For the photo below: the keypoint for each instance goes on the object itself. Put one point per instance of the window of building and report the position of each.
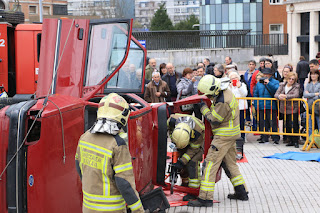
(32, 9)
(275, 1)
(46, 10)
(276, 28)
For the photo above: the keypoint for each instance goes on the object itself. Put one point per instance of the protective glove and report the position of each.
(178, 166)
(201, 104)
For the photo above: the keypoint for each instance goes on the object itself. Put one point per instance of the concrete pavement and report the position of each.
(283, 186)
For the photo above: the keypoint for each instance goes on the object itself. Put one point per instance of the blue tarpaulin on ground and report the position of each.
(300, 156)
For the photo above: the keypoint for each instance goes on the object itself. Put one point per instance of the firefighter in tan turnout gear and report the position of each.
(224, 119)
(104, 162)
(187, 133)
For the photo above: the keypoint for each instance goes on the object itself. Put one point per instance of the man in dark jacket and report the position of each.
(172, 79)
(302, 71)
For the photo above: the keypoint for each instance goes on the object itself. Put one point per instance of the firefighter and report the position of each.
(104, 162)
(187, 133)
(224, 119)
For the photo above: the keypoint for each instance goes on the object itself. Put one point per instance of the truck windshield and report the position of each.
(129, 77)
(107, 48)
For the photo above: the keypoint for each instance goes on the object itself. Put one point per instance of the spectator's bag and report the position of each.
(187, 107)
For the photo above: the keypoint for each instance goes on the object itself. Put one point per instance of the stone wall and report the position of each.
(188, 58)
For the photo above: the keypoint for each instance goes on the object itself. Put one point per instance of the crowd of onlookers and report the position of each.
(262, 81)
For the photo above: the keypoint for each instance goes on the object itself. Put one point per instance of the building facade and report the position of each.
(102, 8)
(30, 8)
(177, 10)
(274, 17)
(303, 19)
(231, 15)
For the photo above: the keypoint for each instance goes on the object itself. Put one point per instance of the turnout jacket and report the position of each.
(223, 114)
(106, 173)
(196, 136)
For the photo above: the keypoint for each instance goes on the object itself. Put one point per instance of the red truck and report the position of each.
(80, 62)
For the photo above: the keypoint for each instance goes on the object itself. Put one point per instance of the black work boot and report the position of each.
(189, 197)
(200, 203)
(240, 193)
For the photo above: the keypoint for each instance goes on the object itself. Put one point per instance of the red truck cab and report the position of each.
(19, 57)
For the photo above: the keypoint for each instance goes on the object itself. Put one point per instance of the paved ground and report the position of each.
(283, 186)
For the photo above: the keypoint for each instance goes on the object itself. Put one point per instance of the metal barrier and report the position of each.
(315, 133)
(273, 101)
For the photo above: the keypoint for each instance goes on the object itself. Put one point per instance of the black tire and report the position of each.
(12, 17)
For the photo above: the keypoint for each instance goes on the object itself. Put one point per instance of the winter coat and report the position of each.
(247, 80)
(184, 87)
(240, 93)
(152, 88)
(294, 92)
(173, 88)
(303, 69)
(107, 173)
(261, 91)
(149, 71)
(311, 89)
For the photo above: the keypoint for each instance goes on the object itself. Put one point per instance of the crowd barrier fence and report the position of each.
(256, 110)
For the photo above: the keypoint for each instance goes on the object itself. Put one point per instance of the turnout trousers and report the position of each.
(223, 148)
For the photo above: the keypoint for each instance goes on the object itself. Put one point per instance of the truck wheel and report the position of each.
(12, 17)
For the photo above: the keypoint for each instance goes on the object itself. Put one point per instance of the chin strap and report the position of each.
(102, 125)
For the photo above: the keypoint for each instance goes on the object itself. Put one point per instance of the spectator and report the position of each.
(185, 85)
(206, 62)
(258, 77)
(250, 74)
(286, 70)
(302, 70)
(218, 71)
(267, 89)
(163, 69)
(247, 78)
(196, 107)
(318, 57)
(313, 65)
(209, 66)
(172, 78)
(287, 90)
(239, 90)
(156, 90)
(200, 64)
(195, 72)
(228, 71)
(275, 74)
(261, 64)
(231, 67)
(150, 68)
(229, 61)
(312, 92)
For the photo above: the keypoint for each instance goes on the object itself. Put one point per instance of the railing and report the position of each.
(263, 44)
(310, 141)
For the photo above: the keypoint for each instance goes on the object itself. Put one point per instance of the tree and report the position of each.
(161, 20)
(187, 24)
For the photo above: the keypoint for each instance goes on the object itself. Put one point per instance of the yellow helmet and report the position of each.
(209, 85)
(181, 135)
(114, 107)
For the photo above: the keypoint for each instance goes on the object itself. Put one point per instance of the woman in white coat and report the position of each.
(239, 90)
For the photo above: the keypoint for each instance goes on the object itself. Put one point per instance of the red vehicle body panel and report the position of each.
(27, 65)
(4, 137)
(70, 64)
(4, 56)
(52, 177)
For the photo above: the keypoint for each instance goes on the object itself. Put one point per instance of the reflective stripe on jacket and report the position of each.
(196, 137)
(223, 114)
(107, 175)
